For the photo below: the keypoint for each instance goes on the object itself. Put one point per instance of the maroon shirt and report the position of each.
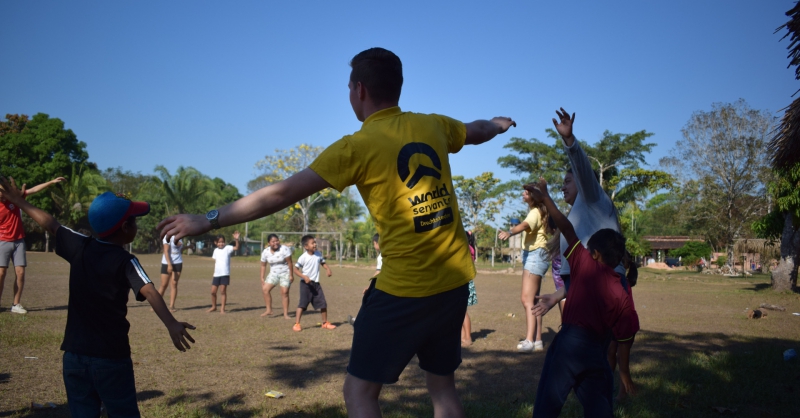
(597, 301)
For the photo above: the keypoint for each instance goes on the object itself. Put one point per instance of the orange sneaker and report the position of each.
(328, 325)
(297, 328)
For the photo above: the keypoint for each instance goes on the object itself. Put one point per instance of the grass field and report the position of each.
(697, 349)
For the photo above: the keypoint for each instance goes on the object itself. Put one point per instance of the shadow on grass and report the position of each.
(682, 375)
(483, 333)
(48, 308)
(4, 377)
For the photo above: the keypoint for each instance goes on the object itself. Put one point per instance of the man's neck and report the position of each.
(370, 108)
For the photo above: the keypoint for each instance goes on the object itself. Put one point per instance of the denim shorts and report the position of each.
(535, 261)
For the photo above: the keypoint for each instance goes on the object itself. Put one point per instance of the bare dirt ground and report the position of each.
(696, 351)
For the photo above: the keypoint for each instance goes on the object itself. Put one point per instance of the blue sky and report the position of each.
(219, 85)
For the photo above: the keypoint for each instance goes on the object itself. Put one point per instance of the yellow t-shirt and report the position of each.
(399, 162)
(534, 235)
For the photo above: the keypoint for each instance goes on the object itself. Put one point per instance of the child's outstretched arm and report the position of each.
(40, 187)
(328, 269)
(177, 330)
(588, 186)
(10, 192)
(236, 237)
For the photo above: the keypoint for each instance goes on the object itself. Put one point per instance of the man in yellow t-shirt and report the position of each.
(400, 163)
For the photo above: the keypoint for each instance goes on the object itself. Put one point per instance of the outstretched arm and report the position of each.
(263, 202)
(177, 330)
(236, 237)
(39, 188)
(10, 192)
(481, 131)
(522, 226)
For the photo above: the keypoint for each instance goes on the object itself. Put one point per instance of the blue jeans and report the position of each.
(89, 380)
(576, 360)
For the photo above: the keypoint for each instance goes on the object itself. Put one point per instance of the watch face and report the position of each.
(212, 214)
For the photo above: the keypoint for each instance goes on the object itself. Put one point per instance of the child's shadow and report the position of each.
(481, 334)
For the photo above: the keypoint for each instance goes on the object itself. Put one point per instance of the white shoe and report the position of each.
(18, 309)
(538, 346)
(525, 346)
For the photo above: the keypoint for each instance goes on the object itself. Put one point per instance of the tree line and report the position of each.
(712, 185)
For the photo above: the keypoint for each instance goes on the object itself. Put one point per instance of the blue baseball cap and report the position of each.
(108, 212)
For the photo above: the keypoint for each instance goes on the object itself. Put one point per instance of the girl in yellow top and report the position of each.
(535, 265)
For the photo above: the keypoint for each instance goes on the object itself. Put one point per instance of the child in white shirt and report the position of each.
(222, 270)
(307, 268)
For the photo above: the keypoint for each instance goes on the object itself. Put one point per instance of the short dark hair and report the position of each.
(271, 236)
(610, 244)
(219, 237)
(305, 239)
(375, 238)
(380, 72)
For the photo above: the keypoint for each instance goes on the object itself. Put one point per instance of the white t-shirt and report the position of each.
(309, 264)
(222, 267)
(380, 262)
(277, 259)
(174, 251)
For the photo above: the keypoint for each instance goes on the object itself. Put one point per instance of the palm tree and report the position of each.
(74, 196)
(187, 191)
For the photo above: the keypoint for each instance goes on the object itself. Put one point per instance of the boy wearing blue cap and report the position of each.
(97, 355)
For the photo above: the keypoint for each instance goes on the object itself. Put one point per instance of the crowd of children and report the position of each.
(415, 305)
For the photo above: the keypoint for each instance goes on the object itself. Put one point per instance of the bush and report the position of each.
(694, 249)
(690, 260)
(721, 261)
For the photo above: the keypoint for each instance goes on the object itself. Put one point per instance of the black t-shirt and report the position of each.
(100, 277)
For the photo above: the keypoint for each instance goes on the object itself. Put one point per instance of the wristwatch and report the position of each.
(213, 218)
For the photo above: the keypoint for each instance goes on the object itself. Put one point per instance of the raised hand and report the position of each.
(180, 226)
(564, 127)
(503, 123)
(9, 190)
(538, 190)
(236, 235)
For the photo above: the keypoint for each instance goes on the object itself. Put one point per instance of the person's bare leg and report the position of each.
(298, 315)
(164, 283)
(528, 291)
(285, 302)
(324, 313)
(361, 397)
(466, 331)
(213, 299)
(19, 284)
(442, 389)
(173, 289)
(266, 288)
(2, 280)
(537, 323)
(223, 294)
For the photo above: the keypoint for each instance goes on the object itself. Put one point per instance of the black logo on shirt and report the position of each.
(422, 170)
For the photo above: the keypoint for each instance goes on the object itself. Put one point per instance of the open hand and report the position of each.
(538, 190)
(503, 235)
(236, 235)
(564, 128)
(179, 335)
(180, 226)
(58, 180)
(546, 302)
(9, 190)
(503, 123)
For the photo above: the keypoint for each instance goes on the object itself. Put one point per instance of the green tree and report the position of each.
(187, 191)
(724, 150)
(692, 251)
(479, 199)
(36, 150)
(73, 197)
(283, 165)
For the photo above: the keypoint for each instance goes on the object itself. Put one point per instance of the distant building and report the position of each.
(660, 246)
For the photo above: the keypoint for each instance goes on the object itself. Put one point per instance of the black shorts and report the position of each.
(221, 281)
(311, 293)
(176, 268)
(428, 327)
